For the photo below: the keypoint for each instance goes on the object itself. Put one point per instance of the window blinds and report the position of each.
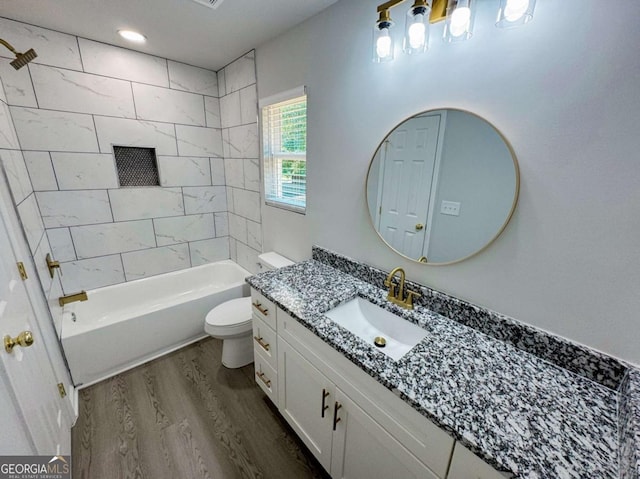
(285, 153)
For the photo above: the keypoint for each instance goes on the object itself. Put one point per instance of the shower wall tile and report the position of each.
(230, 110)
(248, 105)
(31, 221)
(193, 79)
(110, 238)
(145, 203)
(8, 138)
(252, 174)
(17, 85)
(208, 251)
(243, 141)
(212, 111)
(53, 48)
(217, 171)
(184, 171)
(180, 229)
(247, 257)
(40, 170)
(150, 262)
(62, 248)
(91, 273)
(254, 235)
(17, 174)
(238, 227)
(205, 199)
(84, 171)
(67, 90)
(71, 208)
(198, 141)
(172, 106)
(222, 89)
(54, 130)
(115, 62)
(222, 224)
(122, 132)
(234, 172)
(226, 144)
(233, 249)
(240, 73)
(247, 203)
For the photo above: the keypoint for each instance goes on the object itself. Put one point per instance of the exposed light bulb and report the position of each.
(132, 36)
(515, 9)
(383, 44)
(417, 33)
(460, 21)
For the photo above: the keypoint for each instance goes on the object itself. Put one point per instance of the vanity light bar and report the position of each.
(459, 17)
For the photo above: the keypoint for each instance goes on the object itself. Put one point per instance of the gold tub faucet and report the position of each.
(70, 298)
(398, 297)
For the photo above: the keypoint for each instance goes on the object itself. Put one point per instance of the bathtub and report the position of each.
(122, 326)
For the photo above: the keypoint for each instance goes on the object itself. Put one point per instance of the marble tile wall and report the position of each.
(238, 119)
(69, 107)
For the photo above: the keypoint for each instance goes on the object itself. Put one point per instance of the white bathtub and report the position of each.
(122, 326)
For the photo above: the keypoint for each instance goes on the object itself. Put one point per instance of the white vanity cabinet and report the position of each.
(265, 344)
(466, 465)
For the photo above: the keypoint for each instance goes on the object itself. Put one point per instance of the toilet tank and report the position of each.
(273, 260)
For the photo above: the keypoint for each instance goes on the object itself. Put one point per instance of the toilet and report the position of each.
(231, 320)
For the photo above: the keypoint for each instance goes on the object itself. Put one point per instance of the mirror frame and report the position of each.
(516, 193)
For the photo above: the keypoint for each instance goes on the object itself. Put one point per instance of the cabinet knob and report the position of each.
(336, 419)
(325, 395)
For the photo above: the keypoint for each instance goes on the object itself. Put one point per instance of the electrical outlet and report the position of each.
(451, 208)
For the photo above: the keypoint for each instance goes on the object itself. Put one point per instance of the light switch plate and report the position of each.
(450, 208)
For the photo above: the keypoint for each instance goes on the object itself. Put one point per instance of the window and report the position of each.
(284, 139)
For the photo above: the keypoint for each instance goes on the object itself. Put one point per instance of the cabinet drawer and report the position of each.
(466, 465)
(263, 308)
(265, 342)
(266, 377)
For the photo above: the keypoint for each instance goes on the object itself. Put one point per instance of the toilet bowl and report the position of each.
(231, 320)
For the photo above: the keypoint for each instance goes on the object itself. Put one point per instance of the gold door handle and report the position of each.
(260, 341)
(24, 339)
(261, 376)
(325, 395)
(419, 226)
(336, 419)
(259, 308)
(51, 264)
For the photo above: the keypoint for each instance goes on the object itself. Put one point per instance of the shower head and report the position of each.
(21, 58)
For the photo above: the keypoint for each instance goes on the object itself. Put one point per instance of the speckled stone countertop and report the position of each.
(522, 414)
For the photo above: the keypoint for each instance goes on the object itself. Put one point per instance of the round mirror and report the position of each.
(442, 186)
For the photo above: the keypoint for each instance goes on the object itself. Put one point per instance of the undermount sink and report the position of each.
(368, 322)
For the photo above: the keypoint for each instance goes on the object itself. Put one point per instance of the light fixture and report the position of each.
(459, 26)
(416, 32)
(132, 36)
(459, 16)
(513, 13)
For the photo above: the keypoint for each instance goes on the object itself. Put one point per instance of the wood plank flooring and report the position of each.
(185, 416)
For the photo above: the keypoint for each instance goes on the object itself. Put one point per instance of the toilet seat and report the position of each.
(230, 318)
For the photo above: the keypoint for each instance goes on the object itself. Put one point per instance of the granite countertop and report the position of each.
(521, 413)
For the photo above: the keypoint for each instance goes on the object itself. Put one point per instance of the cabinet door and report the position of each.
(302, 393)
(362, 449)
(466, 465)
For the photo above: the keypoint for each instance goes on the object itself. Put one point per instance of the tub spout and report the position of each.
(70, 298)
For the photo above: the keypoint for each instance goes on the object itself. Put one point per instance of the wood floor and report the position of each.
(185, 416)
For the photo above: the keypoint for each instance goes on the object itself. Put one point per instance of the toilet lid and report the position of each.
(230, 313)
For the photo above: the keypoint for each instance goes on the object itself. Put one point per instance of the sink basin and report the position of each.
(368, 321)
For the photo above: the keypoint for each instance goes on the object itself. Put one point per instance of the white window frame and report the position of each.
(266, 102)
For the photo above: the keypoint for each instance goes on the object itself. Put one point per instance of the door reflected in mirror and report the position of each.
(442, 186)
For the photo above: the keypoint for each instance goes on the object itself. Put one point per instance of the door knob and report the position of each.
(24, 339)
(419, 226)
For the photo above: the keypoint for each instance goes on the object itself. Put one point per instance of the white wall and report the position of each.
(564, 92)
(80, 97)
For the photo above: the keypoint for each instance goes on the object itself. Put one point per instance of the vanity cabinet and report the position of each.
(466, 465)
(265, 344)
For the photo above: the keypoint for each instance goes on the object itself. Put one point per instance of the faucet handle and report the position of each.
(410, 296)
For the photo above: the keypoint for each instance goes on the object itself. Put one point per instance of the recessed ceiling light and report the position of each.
(132, 36)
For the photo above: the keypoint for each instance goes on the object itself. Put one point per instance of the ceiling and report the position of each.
(176, 29)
